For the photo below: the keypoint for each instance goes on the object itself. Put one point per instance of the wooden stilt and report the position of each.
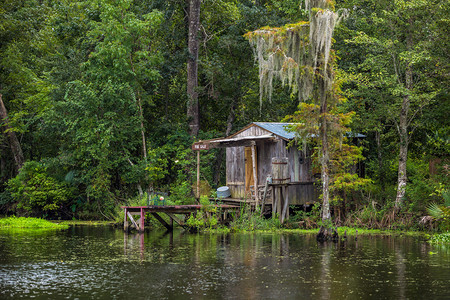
(263, 201)
(141, 229)
(286, 215)
(162, 221)
(125, 219)
(285, 205)
(275, 202)
(255, 175)
(177, 220)
(279, 201)
(132, 220)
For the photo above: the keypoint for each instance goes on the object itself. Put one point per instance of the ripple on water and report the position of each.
(103, 263)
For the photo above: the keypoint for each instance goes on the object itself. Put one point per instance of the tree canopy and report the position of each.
(97, 94)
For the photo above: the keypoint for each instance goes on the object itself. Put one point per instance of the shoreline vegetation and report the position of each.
(29, 223)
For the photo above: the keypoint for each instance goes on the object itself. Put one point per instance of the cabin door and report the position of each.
(249, 178)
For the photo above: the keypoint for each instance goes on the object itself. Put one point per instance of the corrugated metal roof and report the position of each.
(280, 130)
(277, 128)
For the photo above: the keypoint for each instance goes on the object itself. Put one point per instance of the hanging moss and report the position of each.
(297, 53)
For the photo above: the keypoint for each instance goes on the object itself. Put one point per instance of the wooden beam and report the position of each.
(125, 220)
(162, 221)
(285, 210)
(274, 201)
(255, 175)
(176, 219)
(279, 199)
(132, 220)
(263, 202)
(198, 175)
(141, 229)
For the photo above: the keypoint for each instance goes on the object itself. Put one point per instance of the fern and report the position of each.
(435, 210)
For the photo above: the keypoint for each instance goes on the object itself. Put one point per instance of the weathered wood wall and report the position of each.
(299, 167)
(235, 169)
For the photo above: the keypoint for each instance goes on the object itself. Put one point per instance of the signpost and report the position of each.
(197, 147)
(200, 146)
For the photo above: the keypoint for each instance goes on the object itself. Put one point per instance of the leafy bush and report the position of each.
(442, 238)
(36, 192)
(251, 220)
(205, 218)
(304, 219)
(441, 213)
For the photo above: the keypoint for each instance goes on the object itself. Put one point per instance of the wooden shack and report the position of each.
(249, 155)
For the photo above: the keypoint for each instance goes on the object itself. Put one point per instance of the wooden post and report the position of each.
(125, 220)
(141, 229)
(279, 201)
(285, 211)
(177, 220)
(286, 216)
(275, 201)
(255, 175)
(263, 202)
(132, 220)
(198, 175)
(162, 221)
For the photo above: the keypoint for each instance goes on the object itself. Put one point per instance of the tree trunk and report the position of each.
(11, 137)
(325, 160)
(403, 155)
(403, 131)
(192, 67)
(326, 216)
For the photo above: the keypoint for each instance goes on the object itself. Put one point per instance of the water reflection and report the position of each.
(104, 263)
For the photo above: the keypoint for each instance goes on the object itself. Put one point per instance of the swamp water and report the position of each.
(105, 263)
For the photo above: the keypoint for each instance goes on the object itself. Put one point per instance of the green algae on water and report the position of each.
(29, 223)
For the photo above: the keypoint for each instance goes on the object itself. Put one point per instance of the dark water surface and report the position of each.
(104, 263)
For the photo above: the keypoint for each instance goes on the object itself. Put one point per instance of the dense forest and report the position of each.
(101, 101)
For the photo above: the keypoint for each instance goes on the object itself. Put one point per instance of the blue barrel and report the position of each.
(223, 192)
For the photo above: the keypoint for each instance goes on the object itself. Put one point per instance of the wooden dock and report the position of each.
(169, 210)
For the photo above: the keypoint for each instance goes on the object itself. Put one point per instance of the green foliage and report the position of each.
(207, 217)
(441, 213)
(440, 238)
(29, 223)
(304, 219)
(82, 80)
(36, 192)
(248, 220)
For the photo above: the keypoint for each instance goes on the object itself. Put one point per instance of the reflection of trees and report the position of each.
(324, 281)
(401, 268)
(246, 266)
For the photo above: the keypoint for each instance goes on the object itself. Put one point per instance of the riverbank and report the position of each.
(84, 223)
(36, 223)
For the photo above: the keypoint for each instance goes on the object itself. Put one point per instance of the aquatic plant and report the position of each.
(29, 223)
(441, 238)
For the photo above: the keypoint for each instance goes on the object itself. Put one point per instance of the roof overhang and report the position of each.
(239, 141)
